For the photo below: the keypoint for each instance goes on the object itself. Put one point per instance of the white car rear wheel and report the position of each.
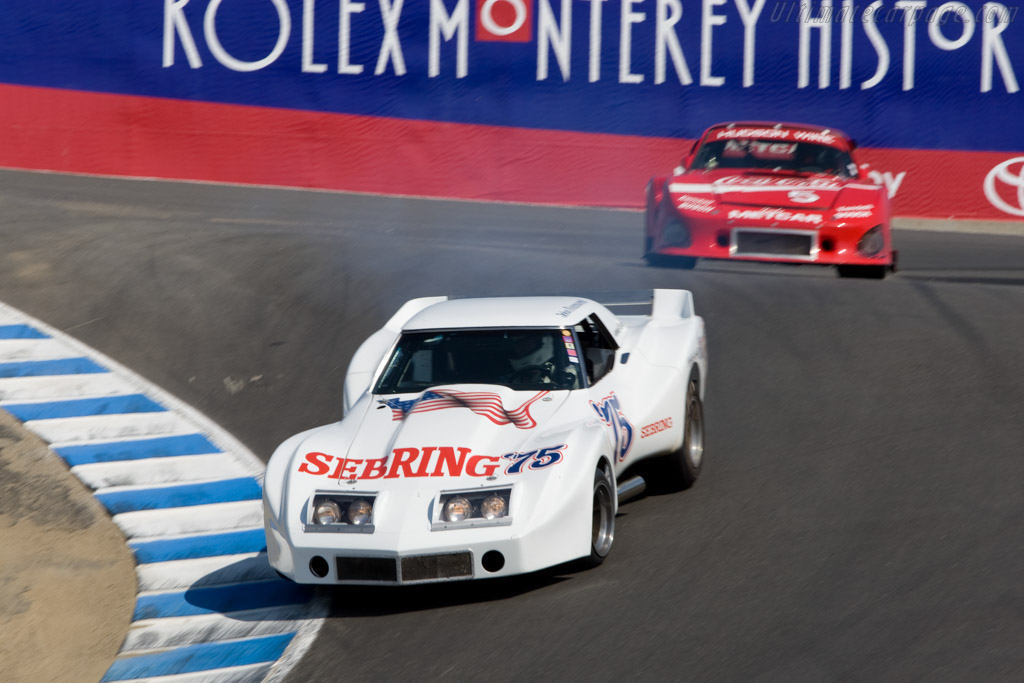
(685, 464)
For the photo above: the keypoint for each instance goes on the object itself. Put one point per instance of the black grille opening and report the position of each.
(781, 243)
(367, 569)
(436, 567)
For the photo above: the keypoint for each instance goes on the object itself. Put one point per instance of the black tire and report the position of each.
(602, 530)
(863, 272)
(667, 261)
(684, 262)
(685, 464)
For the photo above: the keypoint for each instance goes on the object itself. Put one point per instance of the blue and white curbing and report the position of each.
(187, 497)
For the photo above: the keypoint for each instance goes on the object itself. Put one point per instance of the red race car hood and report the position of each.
(705, 191)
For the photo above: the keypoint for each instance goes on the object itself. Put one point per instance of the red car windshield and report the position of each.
(774, 155)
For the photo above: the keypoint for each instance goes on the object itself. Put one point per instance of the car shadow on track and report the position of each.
(376, 601)
(371, 601)
(243, 590)
(752, 268)
(1010, 277)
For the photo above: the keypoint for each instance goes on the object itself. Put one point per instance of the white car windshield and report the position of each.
(521, 359)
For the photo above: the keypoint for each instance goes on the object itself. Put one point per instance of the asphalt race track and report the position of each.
(859, 515)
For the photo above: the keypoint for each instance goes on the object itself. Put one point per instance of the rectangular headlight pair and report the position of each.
(473, 508)
(350, 512)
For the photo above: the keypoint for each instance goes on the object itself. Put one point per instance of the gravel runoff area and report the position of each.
(67, 580)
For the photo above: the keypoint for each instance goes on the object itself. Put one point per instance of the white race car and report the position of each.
(486, 437)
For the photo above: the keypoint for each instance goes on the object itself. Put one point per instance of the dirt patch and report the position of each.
(67, 578)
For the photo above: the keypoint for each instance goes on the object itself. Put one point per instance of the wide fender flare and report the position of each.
(654, 195)
(567, 496)
(364, 364)
(594, 440)
(278, 476)
(277, 504)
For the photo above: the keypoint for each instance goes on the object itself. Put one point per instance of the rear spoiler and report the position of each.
(665, 304)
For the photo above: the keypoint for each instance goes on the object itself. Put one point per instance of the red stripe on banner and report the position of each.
(950, 184)
(121, 135)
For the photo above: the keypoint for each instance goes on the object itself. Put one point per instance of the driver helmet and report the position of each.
(531, 349)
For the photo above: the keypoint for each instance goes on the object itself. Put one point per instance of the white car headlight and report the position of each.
(473, 508)
(326, 512)
(359, 512)
(457, 509)
(493, 507)
(350, 512)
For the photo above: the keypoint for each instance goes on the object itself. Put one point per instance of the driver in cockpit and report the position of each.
(531, 349)
(535, 360)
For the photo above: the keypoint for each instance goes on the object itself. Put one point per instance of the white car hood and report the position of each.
(450, 432)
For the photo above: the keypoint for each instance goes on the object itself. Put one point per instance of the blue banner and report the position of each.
(893, 73)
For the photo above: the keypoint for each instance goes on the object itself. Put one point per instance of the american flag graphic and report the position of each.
(485, 403)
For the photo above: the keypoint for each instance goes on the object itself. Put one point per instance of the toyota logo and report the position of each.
(1011, 174)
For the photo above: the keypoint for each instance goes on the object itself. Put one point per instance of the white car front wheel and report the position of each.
(602, 533)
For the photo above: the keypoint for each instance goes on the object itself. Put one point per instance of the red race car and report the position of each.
(781, 192)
